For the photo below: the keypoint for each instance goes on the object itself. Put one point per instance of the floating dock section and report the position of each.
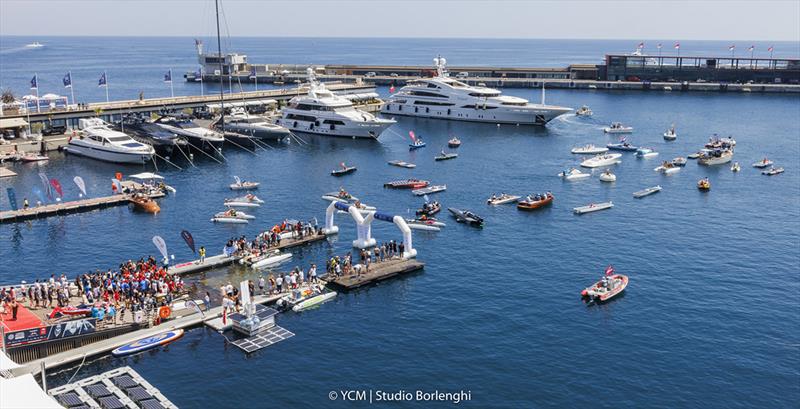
(119, 388)
(377, 272)
(61, 208)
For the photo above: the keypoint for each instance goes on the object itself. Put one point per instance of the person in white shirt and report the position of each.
(312, 273)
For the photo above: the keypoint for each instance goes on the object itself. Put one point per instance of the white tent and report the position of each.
(23, 392)
(146, 176)
(6, 364)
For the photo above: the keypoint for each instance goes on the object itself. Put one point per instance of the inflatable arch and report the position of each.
(364, 226)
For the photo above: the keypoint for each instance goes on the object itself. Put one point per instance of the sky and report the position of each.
(774, 20)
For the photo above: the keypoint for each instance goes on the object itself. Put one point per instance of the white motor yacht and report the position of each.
(607, 159)
(198, 137)
(443, 97)
(98, 141)
(240, 122)
(324, 113)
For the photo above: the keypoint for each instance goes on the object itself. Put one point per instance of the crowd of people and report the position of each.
(343, 266)
(268, 239)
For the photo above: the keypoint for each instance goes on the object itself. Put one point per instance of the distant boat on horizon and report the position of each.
(34, 44)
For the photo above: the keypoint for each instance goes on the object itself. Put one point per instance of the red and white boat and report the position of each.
(407, 184)
(71, 311)
(607, 288)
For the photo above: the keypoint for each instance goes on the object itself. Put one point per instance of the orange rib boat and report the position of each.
(535, 204)
(145, 204)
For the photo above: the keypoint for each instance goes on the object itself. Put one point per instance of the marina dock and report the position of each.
(377, 272)
(62, 208)
(6, 172)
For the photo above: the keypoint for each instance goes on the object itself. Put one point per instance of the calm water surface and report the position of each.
(710, 318)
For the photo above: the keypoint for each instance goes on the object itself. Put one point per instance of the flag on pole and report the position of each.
(67, 80)
(609, 270)
(168, 76)
(677, 46)
(752, 47)
(35, 82)
(102, 82)
(732, 47)
(187, 237)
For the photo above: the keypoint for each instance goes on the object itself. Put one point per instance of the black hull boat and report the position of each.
(465, 216)
(163, 141)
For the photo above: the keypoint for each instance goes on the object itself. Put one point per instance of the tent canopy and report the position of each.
(23, 392)
(12, 123)
(146, 176)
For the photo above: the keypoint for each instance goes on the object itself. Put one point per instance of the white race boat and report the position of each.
(593, 207)
(270, 259)
(602, 160)
(763, 163)
(230, 220)
(429, 190)
(234, 214)
(574, 174)
(607, 176)
(314, 301)
(249, 200)
(646, 192)
(668, 168)
(99, 141)
(442, 97)
(502, 199)
(772, 171)
(240, 185)
(617, 127)
(589, 149)
(584, 111)
(34, 44)
(645, 153)
(427, 222)
(670, 134)
(425, 227)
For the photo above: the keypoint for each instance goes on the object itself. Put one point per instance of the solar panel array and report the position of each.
(263, 339)
(120, 388)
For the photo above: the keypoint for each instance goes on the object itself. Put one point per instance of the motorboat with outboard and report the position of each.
(763, 163)
(243, 185)
(237, 214)
(267, 259)
(617, 128)
(197, 136)
(584, 111)
(454, 142)
(343, 170)
(715, 157)
(322, 112)
(574, 174)
(589, 149)
(144, 131)
(407, 184)
(772, 171)
(429, 190)
(416, 142)
(670, 134)
(429, 209)
(341, 196)
(622, 145)
(704, 184)
(607, 288)
(535, 201)
(445, 156)
(647, 192)
(667, 168)
(33, 157)
(402, 164)
(607, 159)
(144, 203)
(679, 161)
(502, 199)
(735, 167)
(645, 153)
(427, 221)
(607, 176)
(303, 298)
(98, 141)
(442, 97)
(248, 200)
(593, 207)
(230, 220)
(466, 216)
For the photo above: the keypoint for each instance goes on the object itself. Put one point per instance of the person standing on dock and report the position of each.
(25, 204)
(202, 253)
(207, 300)
(261, 284)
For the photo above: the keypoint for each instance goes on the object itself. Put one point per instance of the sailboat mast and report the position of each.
(221, 86)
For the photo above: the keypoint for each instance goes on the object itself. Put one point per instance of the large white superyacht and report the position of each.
(443, 97)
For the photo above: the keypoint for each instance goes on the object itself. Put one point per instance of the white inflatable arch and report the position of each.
(364, 227)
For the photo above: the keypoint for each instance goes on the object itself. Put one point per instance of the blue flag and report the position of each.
(102, 82)
(12, 197)
(35, 82)
(68, 80)
(168, 76)
(253, 72)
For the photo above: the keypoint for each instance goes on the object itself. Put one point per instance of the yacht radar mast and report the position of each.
(441, 66)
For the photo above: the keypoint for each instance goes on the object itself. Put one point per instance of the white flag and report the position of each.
(81, 185)
(161, 246)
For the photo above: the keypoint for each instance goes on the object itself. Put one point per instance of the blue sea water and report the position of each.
(710, 318)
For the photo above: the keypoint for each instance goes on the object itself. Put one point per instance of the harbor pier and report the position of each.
(378, 271)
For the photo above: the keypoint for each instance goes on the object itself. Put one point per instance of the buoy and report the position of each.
(118, 176)
(164, 312)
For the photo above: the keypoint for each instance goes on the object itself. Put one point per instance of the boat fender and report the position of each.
(164, 312)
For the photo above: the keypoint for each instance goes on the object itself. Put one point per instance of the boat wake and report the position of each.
(574, 120)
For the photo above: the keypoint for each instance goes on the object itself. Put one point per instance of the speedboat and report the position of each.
(715, 157)
(256, 126)
(343, 170)
(670, 134)
(322, 112)
(617, 127)
(607, 176)
(302, 297)
(445, 156)
(426, 221)
(402, 164)
(735, 167)
(230, 220)
(679, 161)
(763, 163)
(772, 171)
(198, 137)
(584, 111)
(593, 207)
(269, 259)
(341, 196)
(98, 141)
(645, 153)
(502, 199)
(429, 190)
(442, 97)
(574, 174)
(249, 200)
(32, 157)
(416, 144)
(414, 225)
(535, 201)
(34, 44)
(704, 184)
(454, 142)
(695, 155)
(602, 160)
(313, 301)
(243, 185)
(647, 192)
(162, 140)
(465, 216)
(236, 214)
(145, 204)
(622, 146)
(667, 168)
(589, 149)
(429, 209)
(607, 288)
(407, 184)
